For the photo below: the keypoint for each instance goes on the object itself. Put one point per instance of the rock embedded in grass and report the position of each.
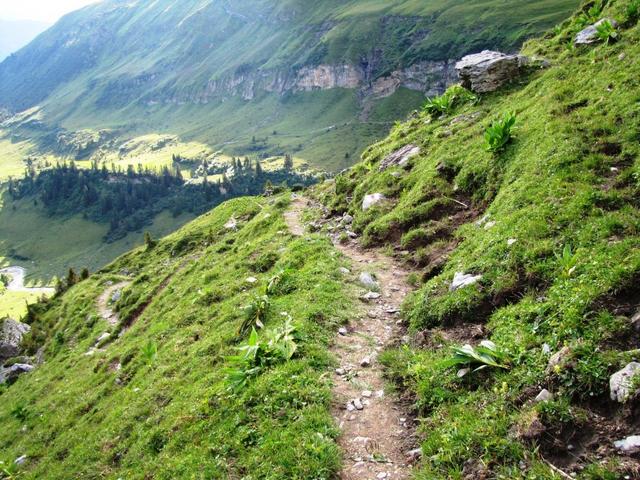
(14, 371)
(589, 35)
(11, 334)
(400, 157)
(487, 71)
(372, 200)
(461, 280)
(622, 382)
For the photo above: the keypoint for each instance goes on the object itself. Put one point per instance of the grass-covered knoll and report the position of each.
(551, 222)
(157, 400)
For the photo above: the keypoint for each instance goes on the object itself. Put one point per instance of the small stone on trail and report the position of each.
(367, 280)
(343, 331)
(358, 404)
(341, 371)
(414, 455)
(382, 476)
(365, 362)
(367, 393)
(345, 271)
(371, 296)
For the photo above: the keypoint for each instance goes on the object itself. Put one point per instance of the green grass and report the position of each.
(14, 304)
(48, 246)
(169, 414)
(565, 188)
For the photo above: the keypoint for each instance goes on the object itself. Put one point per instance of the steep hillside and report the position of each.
(523, 250)
(171, 67)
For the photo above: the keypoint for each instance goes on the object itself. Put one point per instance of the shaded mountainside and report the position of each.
(531, 247)
(122, 63)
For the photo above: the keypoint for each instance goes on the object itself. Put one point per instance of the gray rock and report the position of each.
(347, 219)
(11, 334)
(544, 396)
(399, 157)
(365, 362)
(590, 34)
(345, 271)
(635, 321)
(367, 393)
(103, 337)
(367, 280)
(621, 382)
(358, 404)
(488, 71)
(629, 445)
(371, 200)
(461, 280)
(117, 295)
(559, 358)
(14, 371)
(343, 331)
(20, 460)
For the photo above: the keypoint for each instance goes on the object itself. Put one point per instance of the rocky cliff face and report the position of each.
(431, 78)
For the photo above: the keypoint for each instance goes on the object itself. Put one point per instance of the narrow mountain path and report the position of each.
(104, 300)
(376, 435)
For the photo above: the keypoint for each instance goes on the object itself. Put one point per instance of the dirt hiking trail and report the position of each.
(376, 435)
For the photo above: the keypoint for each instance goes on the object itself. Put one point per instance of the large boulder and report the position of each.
(621, 383)
(488, 71)
(11, 373)
(11, 333)
(590, 34)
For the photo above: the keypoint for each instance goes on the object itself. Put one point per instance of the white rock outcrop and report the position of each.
(371, 200)
(621, 383)
(487, 71)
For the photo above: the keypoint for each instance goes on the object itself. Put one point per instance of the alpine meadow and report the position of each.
(342, 239)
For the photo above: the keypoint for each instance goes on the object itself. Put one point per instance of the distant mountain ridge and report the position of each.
(15, 34)
(129, 60)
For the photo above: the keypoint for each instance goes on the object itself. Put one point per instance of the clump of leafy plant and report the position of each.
(444, 104)
(474, 359)
(8, 471)
(259, 354)
(149, 352)
(632, 12)
(567, 261)
(591, 15)
(20, 412)
(256, 314)
(606, 32)
(500, 133)
(281, 283)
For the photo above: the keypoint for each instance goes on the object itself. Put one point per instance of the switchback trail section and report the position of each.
(376, 435)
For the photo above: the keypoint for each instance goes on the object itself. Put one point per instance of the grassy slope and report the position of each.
(173, 418)
(45, 241)
(553, 187)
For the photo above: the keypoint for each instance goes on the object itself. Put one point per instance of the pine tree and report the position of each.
(72, 278)
(84, 274)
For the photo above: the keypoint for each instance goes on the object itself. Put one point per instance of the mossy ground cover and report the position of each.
(551, 223)
(154, 402)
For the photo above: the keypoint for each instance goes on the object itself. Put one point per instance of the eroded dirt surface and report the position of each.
(377, 435)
